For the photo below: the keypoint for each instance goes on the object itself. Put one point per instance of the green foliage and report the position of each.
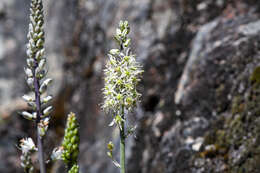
(255, 77)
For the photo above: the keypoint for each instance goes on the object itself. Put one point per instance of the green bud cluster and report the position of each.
(122, 74)
(70, 143)
(74, 169)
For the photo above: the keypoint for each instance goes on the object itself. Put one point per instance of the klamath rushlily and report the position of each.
(35, 73)
(122, 75)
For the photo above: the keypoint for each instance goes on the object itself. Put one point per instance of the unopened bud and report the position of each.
(28, 72)
(28, 115)
(47, 111)
(44, 85)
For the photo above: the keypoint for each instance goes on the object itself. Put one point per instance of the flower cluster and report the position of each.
(27, 147)
(35, 70)
(70, 144)
(122, 74)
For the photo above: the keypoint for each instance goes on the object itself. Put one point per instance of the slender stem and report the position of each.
(38, 119)
(122, 134)
(122, 143)
(40, 154)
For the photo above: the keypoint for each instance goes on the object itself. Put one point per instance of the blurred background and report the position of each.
(201, 86)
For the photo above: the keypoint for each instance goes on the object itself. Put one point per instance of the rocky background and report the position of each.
(200, 110)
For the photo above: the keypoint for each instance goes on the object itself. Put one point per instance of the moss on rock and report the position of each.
(255, 77)
(235, 138)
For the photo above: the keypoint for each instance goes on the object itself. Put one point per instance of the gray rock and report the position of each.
(199, 55)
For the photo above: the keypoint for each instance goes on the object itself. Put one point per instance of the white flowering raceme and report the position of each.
(122, 74)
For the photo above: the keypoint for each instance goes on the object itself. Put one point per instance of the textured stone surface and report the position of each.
(200, 104)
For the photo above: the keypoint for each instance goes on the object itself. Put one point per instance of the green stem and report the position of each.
(122, 143)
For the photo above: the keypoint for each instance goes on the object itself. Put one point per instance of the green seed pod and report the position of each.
(70, 142)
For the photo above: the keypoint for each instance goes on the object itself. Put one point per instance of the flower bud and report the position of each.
(32, 105)
(46, 100)
(38, 56)
(40, 73)
(28, 115)
(28, 98)
(110, 146)
(114, 52)
(118, 32)
(30, 62)
(47, 111)
(42, 64)
(28, 72)
(127, 42)
(43, 126)
(44, 85)
(30, 82)
(39, 43)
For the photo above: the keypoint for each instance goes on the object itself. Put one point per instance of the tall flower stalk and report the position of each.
(122, 74)
(36, 72)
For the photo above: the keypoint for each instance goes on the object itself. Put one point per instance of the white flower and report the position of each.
(57, 153)
(43, 126)
(27, 145)
(114, 51)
